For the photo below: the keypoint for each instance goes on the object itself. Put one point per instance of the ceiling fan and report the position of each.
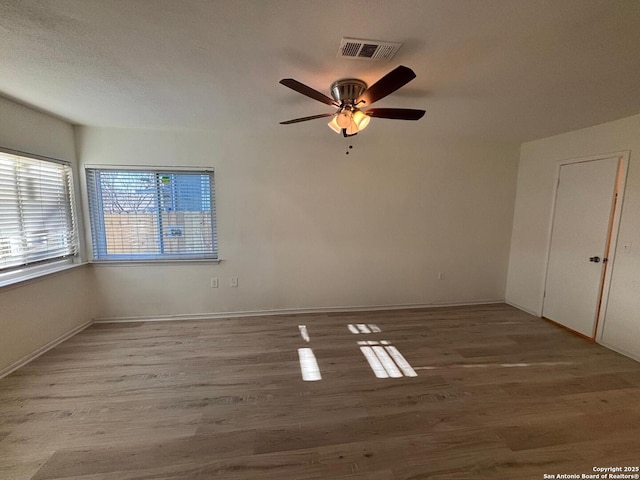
(350, 95)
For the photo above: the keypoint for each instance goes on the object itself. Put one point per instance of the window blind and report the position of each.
(37, 219)
(152, 214)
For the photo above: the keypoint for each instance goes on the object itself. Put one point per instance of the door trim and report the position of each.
(621, 180)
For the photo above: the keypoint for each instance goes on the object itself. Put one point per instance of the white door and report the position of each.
(581, 226)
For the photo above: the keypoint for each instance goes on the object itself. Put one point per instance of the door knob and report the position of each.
(594, 259)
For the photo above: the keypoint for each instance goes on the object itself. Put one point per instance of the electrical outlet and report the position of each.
(441, 276)
(234, 282)
(214, 282)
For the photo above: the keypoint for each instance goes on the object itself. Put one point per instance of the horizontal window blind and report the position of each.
(152, 214)
(37, 219)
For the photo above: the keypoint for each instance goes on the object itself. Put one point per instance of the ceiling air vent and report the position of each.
(367, 49)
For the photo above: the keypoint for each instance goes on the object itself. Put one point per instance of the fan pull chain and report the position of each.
(349, 147)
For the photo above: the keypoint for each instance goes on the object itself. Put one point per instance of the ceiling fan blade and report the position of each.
(396, 113)
(304, 119)
(308, 91)
(391, 82)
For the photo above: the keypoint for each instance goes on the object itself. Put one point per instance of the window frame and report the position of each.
(97, 234)
(31, 270)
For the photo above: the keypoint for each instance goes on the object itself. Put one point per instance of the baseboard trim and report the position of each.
(570, 330)
(288, 311)
(621, 351)
(526, 310)
(54, 343)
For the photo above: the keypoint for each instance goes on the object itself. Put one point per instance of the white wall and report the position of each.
(26, 130)
(36, 312)
(302, 225)
(533, 216)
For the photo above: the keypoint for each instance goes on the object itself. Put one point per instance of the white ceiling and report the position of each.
(505, 70)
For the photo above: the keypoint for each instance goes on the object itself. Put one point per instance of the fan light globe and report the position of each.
(333, 124)
(352, 129)
(361, 119)
(344, 118)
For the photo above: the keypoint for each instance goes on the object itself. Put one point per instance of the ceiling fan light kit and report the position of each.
(353, 121)
(349, 95)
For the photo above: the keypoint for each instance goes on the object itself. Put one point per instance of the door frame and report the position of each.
(621, 180)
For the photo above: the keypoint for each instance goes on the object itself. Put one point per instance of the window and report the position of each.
(152, 214)
(37, 218)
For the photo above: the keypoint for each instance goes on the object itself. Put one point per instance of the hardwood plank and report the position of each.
(586, 383)
(572, 430)
(299, 464)
(69, 463)
(461, 449)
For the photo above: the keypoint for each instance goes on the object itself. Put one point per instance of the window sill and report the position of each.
(133, 263)
(14, 279)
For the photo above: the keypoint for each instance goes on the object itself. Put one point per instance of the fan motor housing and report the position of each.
(346, 91)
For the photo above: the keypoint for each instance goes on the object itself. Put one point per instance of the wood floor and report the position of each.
(499, 395)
